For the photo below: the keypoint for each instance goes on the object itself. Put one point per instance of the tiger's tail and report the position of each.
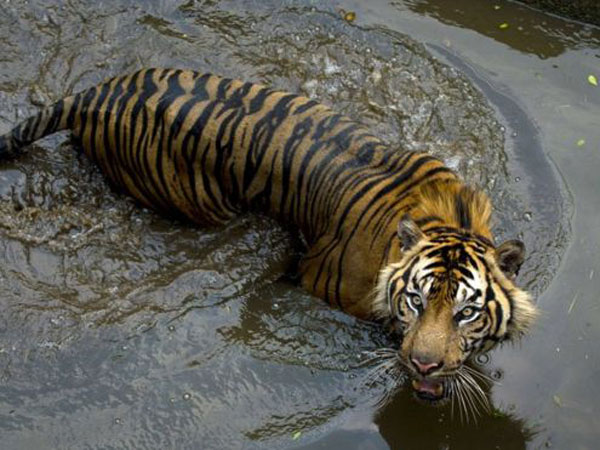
(49, 120)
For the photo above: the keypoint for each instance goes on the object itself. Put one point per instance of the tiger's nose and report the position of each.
(425, 366)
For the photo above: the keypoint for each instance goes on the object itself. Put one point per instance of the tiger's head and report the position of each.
(451, 296)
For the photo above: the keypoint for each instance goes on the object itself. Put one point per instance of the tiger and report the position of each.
(390, 235)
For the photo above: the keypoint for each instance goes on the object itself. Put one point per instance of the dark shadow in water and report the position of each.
(517, 26)
(405, 423)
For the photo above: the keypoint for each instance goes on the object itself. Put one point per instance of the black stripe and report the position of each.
(196, 132)
(466, 273)
(299, 132)
(104, 90)
(57, 110)
(83, 113)
(36, 124)
(434, 265)
(306, 106)
(426, 220)
(73, 111)
(172, 91)
(262, 135)
(141, 171)
(110, 168)
(462, 212)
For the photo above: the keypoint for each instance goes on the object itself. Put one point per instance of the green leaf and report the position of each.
(592, 80)
(296, 435)
(580, 142)
(503, 26)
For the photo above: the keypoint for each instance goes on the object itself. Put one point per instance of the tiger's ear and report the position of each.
(409, 233)
(510, 255)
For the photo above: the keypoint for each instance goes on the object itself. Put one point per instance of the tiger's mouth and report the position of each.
(430, 389)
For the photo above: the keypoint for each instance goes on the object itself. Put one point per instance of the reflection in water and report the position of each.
(523, 29)
(407, 424)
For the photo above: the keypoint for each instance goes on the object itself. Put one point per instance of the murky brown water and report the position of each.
(122, 329)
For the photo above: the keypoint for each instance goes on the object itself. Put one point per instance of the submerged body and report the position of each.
(380, 224)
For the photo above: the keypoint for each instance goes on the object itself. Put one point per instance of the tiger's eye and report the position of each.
(416, 300)
(467, 312)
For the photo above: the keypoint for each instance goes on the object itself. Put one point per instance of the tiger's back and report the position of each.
(198, 144)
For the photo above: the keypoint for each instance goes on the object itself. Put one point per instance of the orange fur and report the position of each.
(440, 199)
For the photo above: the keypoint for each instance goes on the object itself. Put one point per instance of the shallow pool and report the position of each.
(123, 329)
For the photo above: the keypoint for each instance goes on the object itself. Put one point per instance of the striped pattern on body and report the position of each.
(209, 148)
(391, 234)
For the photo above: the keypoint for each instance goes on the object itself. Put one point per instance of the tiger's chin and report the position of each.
(432, 390)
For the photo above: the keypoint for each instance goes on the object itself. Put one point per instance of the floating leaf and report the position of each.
(350, 16)
(557, 401)
(296, 435)
(503, 26)
(592, 80)
(580, 142)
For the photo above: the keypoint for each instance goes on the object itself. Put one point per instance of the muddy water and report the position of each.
(123, 329)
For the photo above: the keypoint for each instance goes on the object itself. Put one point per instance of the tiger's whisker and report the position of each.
(376, 372)
(480, 396)
(463, 406)
(478, 393)
(452, 384)
(480, 375)
(474, 410)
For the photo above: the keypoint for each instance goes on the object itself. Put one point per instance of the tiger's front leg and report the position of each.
(348, 289)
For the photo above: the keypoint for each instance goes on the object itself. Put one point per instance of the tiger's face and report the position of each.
(450, 297)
